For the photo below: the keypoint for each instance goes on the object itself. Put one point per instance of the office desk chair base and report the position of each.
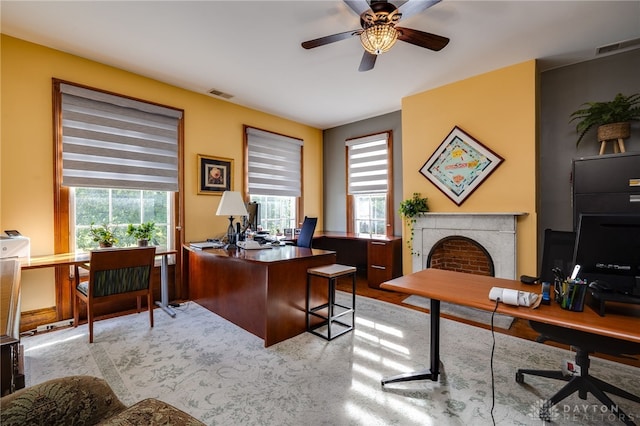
(582, 384)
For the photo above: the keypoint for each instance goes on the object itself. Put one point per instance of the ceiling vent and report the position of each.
(617, 46)
(220, 94)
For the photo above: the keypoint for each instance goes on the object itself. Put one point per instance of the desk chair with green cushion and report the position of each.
(558, 253)
(115, 274)
(306, 232)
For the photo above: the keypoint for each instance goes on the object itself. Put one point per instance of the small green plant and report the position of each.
(103, 235)
(144, 231)
(409, 209)
(621, 109)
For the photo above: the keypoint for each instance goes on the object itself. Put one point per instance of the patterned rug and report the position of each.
(223, 375)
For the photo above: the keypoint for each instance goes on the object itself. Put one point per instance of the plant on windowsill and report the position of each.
(611, 118)
(411, 208)
(103, 235)
(142, 233)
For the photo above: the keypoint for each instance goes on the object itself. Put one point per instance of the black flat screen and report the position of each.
(608, 249)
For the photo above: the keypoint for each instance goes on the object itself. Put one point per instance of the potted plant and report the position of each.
(103, 235)
(142, 233)
(611, 118)
(409, 209)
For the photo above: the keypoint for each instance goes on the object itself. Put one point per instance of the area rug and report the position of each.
(465, 312)
(223, 375)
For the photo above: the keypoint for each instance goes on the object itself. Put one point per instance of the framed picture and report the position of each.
(215, 175)
(460, 165)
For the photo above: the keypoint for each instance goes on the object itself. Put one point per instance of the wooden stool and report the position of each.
(332, 273)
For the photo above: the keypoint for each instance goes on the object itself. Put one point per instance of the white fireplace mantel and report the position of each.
(495, 232)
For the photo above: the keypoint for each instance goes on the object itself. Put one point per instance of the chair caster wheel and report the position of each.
(519, 377)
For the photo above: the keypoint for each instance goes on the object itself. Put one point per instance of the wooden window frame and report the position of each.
(245, 171)
(350, 198)
(61, 199)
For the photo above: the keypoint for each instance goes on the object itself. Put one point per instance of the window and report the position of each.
(118, 163)
(369, 182)
(276, 213)
(274, 178)
(118, 208)
(370, 214)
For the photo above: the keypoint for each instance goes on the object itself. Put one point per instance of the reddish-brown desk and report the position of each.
(377, 255)
(473, 290)
(262, 291)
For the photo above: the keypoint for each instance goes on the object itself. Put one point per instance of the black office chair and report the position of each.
(558, 253)
(306, 232)
(557, 256)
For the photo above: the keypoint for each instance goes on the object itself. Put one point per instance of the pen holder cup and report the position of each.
(572, 295)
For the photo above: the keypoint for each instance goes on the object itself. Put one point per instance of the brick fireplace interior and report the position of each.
(461, 254)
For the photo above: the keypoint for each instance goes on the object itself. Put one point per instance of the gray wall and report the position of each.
(335, 197)
(562, 91)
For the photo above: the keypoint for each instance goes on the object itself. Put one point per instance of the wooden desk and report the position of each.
(380, 256)
(72, 259)
(262, 291)
(473, 290)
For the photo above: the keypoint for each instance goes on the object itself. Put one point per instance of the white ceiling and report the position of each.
(251, 49)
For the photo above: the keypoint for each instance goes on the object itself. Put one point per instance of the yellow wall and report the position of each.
(212, 127)
(499, 110)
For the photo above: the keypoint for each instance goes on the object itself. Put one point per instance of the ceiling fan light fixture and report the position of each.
(378, 38)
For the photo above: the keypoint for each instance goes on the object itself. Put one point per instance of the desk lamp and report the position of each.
(231, 205)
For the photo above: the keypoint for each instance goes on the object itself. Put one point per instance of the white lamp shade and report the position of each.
(231, 204)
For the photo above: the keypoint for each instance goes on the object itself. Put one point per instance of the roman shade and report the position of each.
(367, 162)
(274, 164)
(109, 141)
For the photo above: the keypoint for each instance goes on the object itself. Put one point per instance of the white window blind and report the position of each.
(367, 162)
(274, 164)
(110, 141)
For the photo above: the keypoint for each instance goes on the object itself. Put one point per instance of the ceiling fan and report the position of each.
(379, 31)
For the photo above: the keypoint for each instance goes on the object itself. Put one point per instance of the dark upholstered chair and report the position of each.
(558, 253)
(115, 274)
(306, 232)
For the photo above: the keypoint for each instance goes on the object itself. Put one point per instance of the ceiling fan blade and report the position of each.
(329, 39)
(413, 7)
(367, 62)
(358, 6)
(422, 39)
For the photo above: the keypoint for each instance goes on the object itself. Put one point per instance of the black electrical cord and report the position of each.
(493, 347)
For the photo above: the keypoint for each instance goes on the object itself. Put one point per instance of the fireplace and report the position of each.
(460, 254)
(493, 233)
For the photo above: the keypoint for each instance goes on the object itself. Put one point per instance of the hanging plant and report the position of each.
(411, 208)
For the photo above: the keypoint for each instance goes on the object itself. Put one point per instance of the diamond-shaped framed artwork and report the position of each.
(460, 165)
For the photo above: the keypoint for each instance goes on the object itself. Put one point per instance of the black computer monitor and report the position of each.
(253, 219)
(608, 249)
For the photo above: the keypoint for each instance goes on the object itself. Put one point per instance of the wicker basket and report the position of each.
(614, 131)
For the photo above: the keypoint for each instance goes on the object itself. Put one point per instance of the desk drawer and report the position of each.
(384, 261)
